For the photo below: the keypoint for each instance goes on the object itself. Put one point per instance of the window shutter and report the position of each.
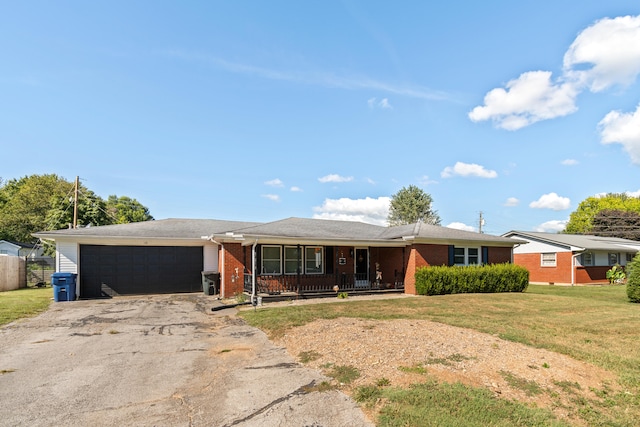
(485, 255)
(451, 255)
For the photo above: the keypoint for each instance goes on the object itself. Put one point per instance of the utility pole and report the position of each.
(480, 223)
(75, 205)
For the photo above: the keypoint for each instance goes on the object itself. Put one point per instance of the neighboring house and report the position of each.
(291, 255)
(20, 249)
(570, 258)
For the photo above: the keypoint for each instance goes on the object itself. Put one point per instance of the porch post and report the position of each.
(298, 271)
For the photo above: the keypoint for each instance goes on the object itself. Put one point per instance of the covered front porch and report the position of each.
(315, 270)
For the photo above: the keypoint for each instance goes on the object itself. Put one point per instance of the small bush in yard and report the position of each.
(441, 280)
(633, 279)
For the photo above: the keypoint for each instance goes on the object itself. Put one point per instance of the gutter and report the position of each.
(573, 265)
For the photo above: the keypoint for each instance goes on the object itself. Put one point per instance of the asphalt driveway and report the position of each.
(156, 361)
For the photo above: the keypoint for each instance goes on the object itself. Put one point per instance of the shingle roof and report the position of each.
(577, 241)
(302, 228)
(165, 228)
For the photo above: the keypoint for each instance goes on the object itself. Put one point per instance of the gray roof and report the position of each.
(290, 228)
(164, 228)
(578, 241)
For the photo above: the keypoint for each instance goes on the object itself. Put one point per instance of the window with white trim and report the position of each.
(314, 260)
(629, 257)
(292, 260)
(466, 256)
(548, 259)
(271, 260)
(613, 258)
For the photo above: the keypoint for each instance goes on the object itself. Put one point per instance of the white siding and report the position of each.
(535, 246)
(210, 257)
(67, 257)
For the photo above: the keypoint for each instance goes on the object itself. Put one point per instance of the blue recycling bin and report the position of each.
(64, 286)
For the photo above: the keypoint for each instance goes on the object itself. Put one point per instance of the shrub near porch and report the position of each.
(441, 280)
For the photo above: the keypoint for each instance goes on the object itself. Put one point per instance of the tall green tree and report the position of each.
(24, 204)
(411, 204)
(581, 220)
(92, 209)
(124, 210)
(46, 202)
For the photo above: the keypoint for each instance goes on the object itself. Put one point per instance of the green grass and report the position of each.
(595, 324)
(25, 302)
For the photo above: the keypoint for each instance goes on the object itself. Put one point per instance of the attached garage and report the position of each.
(125, 270)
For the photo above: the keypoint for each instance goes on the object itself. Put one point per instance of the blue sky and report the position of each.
(258, 111)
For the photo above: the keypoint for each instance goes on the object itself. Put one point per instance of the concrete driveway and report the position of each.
(156, 361)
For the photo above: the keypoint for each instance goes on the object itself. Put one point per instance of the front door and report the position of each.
(362, 267)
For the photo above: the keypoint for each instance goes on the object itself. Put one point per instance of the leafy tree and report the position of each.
(24, 204)
(581, 220)
(633, 279)
(616, 223)
(124, 210)
(45, 202)
(92, 209)
(410, 205)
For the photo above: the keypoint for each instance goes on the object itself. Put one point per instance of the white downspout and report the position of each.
(573, 266)
(253, 270)
(222, 274)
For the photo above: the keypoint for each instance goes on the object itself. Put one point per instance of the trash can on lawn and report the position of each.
(64, 286)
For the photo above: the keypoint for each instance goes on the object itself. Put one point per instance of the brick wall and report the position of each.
(561, 273)
(233, 279)
(499, 255)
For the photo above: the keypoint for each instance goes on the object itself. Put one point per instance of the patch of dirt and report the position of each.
(410, 351)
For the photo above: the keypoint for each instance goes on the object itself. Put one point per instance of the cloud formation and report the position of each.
(551, 226)
(551, 201)
(604, 55)
(461, 226)
(274, 183)
(624, 129)
(467, 169)
(383, 103)
(512, 201)
(272, 197)
(335, 178)
(368, 210)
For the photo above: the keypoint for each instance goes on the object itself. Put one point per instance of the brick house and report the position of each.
(291, 256)
(554, 258)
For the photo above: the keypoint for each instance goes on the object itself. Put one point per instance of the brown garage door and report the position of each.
(122, 270)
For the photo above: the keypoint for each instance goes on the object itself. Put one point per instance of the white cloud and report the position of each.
(335, 178)
(528, 99)
(296, 189)
(274, 183)
(569, 162)
(461, 226)
(424, 180)
(603, 55)
(273, 197)
(467, 169)
(383, 103)
(551, 201)
(512, 201)
(369, 210)
(624, 129)
(311, 77)
(551, 226)
(612, 47)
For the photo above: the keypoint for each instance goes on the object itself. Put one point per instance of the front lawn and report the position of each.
(24, 302)
(595, 324)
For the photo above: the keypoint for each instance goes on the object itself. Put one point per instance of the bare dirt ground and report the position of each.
(385, 349)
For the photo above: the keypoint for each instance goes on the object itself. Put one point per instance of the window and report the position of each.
(629, 257)
(473, 256)
(292, 260)
(586, 259)
(313, 260)
(466, 256)
(548, 259)
(613, 258)
(458, 256)
(271, 256)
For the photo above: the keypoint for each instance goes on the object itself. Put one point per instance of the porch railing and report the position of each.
(316, 283)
